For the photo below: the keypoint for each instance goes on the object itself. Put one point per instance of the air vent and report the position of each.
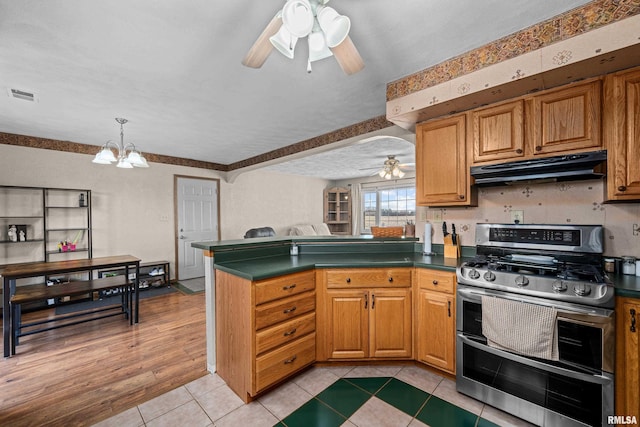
(23, 94)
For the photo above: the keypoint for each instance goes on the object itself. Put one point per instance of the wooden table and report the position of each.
(35, 269)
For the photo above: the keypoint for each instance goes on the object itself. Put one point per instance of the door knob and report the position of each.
(181, 236)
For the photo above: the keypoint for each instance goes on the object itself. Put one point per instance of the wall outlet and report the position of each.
(436, 215)
(517, 217)
(636, 229)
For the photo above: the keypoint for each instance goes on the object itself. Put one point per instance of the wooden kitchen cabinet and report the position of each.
(553, 122)
(627, 357)
(566, 119)
(435, 319)
(337, 210)
(622, 135)
(265, 329)
(498, 132)
(365, 314)
(442, 173)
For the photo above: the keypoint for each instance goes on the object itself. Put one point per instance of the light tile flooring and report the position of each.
(192, 285)
(363, 396)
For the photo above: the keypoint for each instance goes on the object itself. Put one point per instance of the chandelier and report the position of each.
(327, 35)
(128, 156)
(391, 169)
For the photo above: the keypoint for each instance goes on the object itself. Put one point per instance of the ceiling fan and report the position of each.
(391, 168)
(327, 34)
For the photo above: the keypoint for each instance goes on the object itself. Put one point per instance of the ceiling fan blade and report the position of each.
(348, 56)
(262, 47)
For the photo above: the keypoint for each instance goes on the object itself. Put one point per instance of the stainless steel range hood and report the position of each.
(569, 167)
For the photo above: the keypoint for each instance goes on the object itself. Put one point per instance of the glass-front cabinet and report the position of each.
(337, 210)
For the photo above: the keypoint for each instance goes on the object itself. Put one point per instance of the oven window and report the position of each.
(472, 318)
(574, 398)
(580, 344)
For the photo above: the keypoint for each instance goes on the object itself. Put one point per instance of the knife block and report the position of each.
(451, 250)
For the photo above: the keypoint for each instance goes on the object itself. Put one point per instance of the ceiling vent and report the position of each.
(23, 94)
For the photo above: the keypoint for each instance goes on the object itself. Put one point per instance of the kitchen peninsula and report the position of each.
(270, 313)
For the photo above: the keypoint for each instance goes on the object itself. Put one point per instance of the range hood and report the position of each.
(569, 167)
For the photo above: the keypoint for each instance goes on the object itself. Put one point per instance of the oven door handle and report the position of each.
(590, 378)
(476, 294)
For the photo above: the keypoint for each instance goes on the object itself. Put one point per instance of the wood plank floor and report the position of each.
(82, 374)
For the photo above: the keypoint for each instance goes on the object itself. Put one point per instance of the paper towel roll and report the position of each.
(427, 238)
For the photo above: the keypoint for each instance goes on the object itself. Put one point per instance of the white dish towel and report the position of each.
(522, 328)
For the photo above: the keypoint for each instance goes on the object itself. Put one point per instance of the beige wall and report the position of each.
(130, 207)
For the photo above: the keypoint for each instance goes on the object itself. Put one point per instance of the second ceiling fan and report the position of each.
(327, 35)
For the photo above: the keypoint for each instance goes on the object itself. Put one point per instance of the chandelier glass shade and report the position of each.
(127, 158)
(391, 169)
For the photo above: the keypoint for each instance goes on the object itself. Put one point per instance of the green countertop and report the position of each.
(262, 258)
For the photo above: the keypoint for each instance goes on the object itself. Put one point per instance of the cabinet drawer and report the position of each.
(286, 332)
(435, 280)
(373, 277)
(280, 287)
(281, 310)
(278, 364)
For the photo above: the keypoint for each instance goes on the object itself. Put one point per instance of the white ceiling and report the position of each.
(173, 69)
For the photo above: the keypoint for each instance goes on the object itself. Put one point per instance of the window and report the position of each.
(386, 206)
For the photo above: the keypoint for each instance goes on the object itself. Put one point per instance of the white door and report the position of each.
(197, 206)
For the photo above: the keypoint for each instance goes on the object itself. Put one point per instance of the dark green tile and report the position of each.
(486, 423)
(344, 397)
(403, 396)
(314, 414)
(371, 385)
(439, 413)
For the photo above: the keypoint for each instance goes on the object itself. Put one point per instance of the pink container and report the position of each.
(65, 248)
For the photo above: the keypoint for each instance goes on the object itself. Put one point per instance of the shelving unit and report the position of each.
(46, 216)
(337, 210)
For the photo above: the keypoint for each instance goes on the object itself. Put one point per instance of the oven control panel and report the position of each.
(535, 235)
(558, 237)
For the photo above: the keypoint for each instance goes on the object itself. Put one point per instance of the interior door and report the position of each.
(197, 220)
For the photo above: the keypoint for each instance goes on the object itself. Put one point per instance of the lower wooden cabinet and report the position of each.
(627, 357)
(357, 322)
(265, 329)
(435, 326)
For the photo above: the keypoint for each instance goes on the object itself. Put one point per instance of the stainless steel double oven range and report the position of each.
(556, 266)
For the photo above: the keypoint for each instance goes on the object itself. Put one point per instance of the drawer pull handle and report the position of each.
(286, 288)
(449, 308)
(390, 279)
(373, 301)
(291, 332)
(435, 282)
(348, 279)
(289, 310)
(289, 361)
(632, 312)
(366, 300)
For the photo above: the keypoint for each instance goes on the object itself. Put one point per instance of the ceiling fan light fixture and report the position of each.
(318, 48)
(297, 17)
(284, 41)
(336, 27)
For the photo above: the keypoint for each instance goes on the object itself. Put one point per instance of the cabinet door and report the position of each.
(347, 323)
(390, 323)
(441, 163)
(628, 357)
(498, 132)
(622, 135)
(435, 329)
(566, 119)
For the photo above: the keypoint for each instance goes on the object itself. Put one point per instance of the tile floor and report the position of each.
(322, 396)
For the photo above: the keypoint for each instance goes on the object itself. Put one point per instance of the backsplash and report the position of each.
(579, 202)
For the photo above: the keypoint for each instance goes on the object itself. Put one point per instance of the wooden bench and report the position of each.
(40, 292)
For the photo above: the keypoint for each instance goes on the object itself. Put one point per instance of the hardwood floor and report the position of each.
(82, 374)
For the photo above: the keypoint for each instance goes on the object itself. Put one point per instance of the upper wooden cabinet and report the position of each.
(566, 119)
(442, 175)
(622, 135)
(554, 122)
(498, 132)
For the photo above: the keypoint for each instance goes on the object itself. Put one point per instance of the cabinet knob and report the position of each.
(622, 188)
(461, 196)
(390, 279)
(435, 282)
(538, 147)
(519, 151)
(348, 279)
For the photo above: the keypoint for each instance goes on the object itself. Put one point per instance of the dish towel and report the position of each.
(522, 328)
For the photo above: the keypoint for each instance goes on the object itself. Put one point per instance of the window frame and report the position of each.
(378, 188)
